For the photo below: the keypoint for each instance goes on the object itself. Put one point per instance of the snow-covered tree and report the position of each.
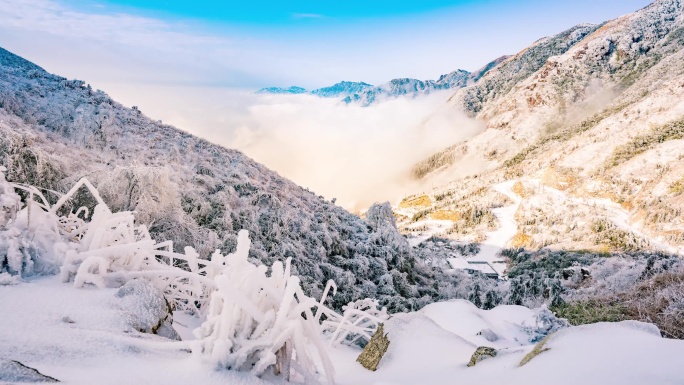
(516, 293)
(475, 295)
(492, 300)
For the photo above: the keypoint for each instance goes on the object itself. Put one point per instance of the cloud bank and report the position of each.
(358, 155)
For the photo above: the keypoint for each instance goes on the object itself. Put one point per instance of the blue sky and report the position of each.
(280, 13)
(250, 44)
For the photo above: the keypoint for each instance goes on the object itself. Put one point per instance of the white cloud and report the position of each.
(53, 18)
(359, 155)
(106, 47)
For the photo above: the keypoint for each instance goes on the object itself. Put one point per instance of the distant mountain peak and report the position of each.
(293, 90)
(367, 94)
(342, 89)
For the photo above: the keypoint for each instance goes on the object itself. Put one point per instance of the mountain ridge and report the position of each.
(366, 94)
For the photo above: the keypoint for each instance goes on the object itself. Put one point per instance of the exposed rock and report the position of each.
(482, 353)
(15, 371)
(146, 309)
(373, 352)
(575, 274)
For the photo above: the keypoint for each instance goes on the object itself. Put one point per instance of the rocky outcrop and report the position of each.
(482, 353)
(14, 371)
(375, 349)
(488, 334)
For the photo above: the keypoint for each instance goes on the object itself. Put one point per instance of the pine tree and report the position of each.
(492, 300)
(475, 295)
(555, 290)
(516, 292)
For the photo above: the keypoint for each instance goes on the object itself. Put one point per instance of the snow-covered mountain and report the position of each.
(407, 87)
(595, 112)
(342, 89)
(293, 90)
(367, 94)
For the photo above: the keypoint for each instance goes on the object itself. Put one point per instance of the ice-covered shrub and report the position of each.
(148, 191)
(112, 248)
(107, 250)
(10, 201)
(6, 279)
(358, 322)
(30, 239)
(259, 322)
(546, 323)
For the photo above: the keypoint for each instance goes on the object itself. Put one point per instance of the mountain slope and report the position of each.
(591, 122)
(501, 79)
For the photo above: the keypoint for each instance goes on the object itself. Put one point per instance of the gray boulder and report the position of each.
(15, 371)
(488, 334)
(145, 308)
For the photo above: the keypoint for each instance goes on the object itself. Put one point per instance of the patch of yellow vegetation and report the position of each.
(520, 190)
(445, 215)
(603, 248)
(521, 240)
(628, 205)
(400, 218)
(676, 236)
(421, 201)
(559, 178)
(601, 187)
(677, 187)
(519, 215)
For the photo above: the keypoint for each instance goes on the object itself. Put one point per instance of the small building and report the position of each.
(472, 266)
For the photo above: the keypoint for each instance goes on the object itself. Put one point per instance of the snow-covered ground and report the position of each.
(489, 255)
(431, 227)
(80, 336)
(424, 353)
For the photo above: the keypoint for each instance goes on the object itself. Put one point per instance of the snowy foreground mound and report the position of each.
(434, 346)
(83, 336)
